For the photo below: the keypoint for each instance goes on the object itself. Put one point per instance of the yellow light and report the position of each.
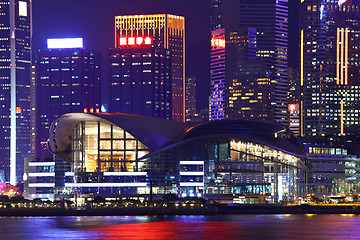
(346, 54)
(342, 117)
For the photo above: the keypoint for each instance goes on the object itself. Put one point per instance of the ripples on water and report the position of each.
(183, 227)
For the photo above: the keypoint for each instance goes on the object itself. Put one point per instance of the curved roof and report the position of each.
(158, 134)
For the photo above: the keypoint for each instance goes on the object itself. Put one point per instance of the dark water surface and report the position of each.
(183, 227)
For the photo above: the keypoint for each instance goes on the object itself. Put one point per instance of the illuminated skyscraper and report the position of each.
(67, 80)
(329, 67)
(270, 19)
(15, 62)
(167, 31)
(240, 88)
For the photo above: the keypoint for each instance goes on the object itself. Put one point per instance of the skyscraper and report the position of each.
(67, 80)
(167, 31)
(329, 67)
(140, 79)
(240, 88)
(15, 63)
(190, 99)
(270, 21)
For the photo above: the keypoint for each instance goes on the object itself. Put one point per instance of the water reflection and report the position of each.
(183, 227)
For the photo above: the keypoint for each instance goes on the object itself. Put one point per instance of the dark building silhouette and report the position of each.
(67, 80)
(140, 81)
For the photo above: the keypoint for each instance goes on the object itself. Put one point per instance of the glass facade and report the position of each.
(220, 160)
(100, 151)
(226, 167)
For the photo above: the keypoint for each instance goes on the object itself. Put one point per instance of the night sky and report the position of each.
(94, 21)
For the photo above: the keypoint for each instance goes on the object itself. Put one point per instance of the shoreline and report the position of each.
(209, 210)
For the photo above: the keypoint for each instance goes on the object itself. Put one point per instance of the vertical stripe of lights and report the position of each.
(13, 96)
(346, 49)
(342, 56)
(302, 81)
(342, 117)
(338, 56)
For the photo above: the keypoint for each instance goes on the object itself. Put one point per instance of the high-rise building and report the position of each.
(140, 79)
(166, 31)
(67, 80)
(270, 21)
(15, 63)
(329, 67)
(190, 99)
(240, 88)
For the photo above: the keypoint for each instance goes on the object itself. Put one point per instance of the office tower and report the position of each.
(15, 62)
(140, 81)
(293, 100)
(166, 31)
(329, 67)
(240, 88)
(190, 99)
(67, 80)
(270, 19)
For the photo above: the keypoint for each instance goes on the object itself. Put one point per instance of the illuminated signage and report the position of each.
(216, 42)
(65, 43)
(22, 9)
(134, 41)
(341, 2)
(293, 107)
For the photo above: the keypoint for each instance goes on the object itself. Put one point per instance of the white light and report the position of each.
(41, 185)
(103, 109)
(42, 174)
(192, 162)
(69, 174)
(22, 9)
(125, 173)
(341, 2)
(191, 184)
(64, 43)
(192, 173)
(132, 184)
(41, 164)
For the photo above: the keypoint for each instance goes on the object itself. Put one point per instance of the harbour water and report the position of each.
(290, 226)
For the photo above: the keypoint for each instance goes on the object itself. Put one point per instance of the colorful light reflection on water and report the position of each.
(183, 227)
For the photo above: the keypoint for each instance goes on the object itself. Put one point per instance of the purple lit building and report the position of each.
(15, 63)
(240, 88)
(269, 19)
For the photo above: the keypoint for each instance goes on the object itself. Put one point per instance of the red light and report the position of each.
(85, 110)
(148, 41)
(97, 110)
(18, 109)
(139, 40)
(131, 41)
(292, 107)
(91, 110)
(123, 41)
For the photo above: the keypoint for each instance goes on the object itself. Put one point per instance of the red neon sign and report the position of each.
(134, 41)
